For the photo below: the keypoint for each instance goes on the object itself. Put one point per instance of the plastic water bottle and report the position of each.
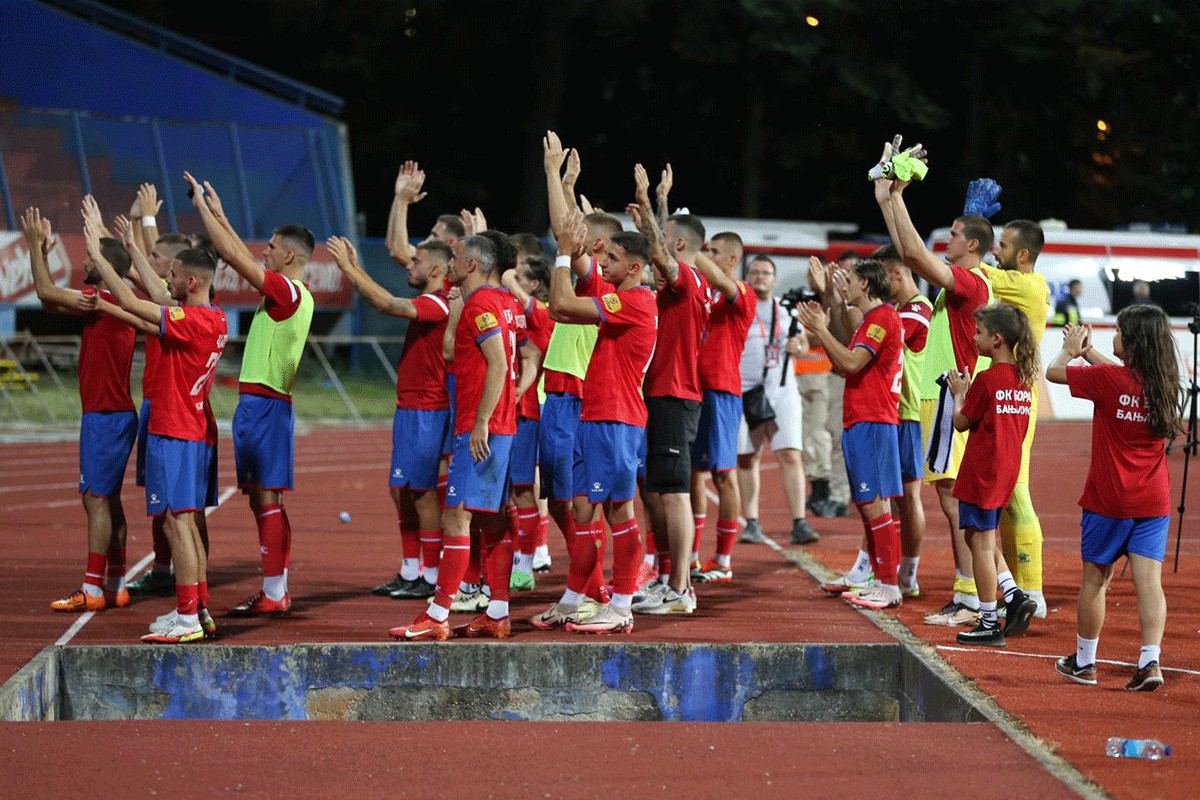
(1136, 748)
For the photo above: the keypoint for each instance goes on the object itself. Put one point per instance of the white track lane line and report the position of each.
(78, 624)
(998, 652)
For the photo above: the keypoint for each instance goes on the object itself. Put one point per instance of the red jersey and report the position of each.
(192, 338)
(721, 351)
(970, 293)
(998, 407)
(105, 359)
(683, 309)
(624, 348)
(421, 371)
(1127, 478)
(538, 327)
(487, 312)
(873, 393)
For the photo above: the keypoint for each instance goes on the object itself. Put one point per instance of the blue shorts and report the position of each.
(178, 475)
(105, 442)
(715, 448)
(417, 447)
(872, 454)
(912, 451)
(981, 519)
(142, 432)
(606, 461)
(522, 466)
(264, 442)
(479, 485)
(448, 440)
(641, 455)
(1106, 539)
(556, 445)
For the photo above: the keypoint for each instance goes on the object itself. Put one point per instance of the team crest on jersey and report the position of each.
(508, 316)
(176, 313)
(612, 303)
(486, 321)
(876, 332)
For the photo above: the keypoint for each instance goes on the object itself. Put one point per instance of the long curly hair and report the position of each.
(1148, 349)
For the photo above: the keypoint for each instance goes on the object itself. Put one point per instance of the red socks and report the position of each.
(456, 555)
(96, 569)
(627, 556)
(726, 535)
(273, 535)
(883, 537)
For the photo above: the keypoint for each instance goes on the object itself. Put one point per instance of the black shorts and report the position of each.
(671, 428)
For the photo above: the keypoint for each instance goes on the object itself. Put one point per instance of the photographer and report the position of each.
(774, 338)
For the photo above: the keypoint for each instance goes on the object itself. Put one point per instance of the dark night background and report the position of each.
(760, 113)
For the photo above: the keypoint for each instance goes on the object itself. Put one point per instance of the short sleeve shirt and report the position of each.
(721, 351)
(612, 390)
(487, 312)
(192, 339)
(421, 371)
(683, 310)
(873, 393)
(1125, 452)
(998, 407)
(105, 359)
(538, 327)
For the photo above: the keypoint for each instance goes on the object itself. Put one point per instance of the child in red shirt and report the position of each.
(995, 407)
(1137, 407)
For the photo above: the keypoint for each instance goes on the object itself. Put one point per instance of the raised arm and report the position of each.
(142, 274)
(1077, 343)
(128, 300)
(407, 190)
(142, 216)
(509, 281)
(911, 246)
(662, 192)
(228, 244)
(716, 276)
(379, 298)
(643, 218)
(552, 161)
(39, 238)
(569, 178)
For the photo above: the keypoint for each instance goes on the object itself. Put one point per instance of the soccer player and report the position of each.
(672, 393)
(1014, 282)
(715, 449)
(179, 458)
(264, 422)
(964, 288)
(485, 423)
(870, 415)
(109, 423)
(529, 283)
(612, 418)
(422, 407)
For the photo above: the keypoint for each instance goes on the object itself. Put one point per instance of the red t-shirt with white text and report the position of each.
(192, 339)
(998, 407)
(1127, 477)
(873, 393)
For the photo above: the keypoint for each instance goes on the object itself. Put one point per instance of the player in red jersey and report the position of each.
(995, 407)
(734, 305)
(870, 415)
(422, 407)
(1126, 498)
(673, 395)
(109, 424)
(485, 423)
(612, 421)
(179, 458)
(529, 283)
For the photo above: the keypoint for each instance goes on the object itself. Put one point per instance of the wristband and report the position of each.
(148, 221)
(562, 261)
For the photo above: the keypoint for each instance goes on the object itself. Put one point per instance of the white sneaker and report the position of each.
(649, 595)
(674, 602)
(1041, 605)
(541, 562)
(164, 623)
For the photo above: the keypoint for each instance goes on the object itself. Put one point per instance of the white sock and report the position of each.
(971, 601)
(410, 568)
(1149, 653)
(275, 586)
(189, 620)
(541, 551)
(468, 588)
(724, 561)
(523, 563)
(437, 612)
(497, 609)
(908, 569)
(861, 569)
(431, 574)
(651, 559)
(91, 590)
(621, 602)
(1007, 585)
(987, 614)
(572, 599)
(1085, 651)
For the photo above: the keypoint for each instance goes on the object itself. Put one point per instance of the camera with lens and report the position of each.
(791, 301)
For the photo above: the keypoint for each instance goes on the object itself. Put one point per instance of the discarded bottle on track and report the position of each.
(1136, 748)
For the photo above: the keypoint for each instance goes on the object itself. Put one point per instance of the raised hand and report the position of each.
(814, 316)
(572, 173)
(1076, 340)
(147, 202)
(409, 181)
(552, 153)
(641, 186)
(91, 210)
(665, 182)
(818, 275)
(123, 228)
(573, 241)
(343, 252)
(37, 230)
(959, 383)
(982, 198)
